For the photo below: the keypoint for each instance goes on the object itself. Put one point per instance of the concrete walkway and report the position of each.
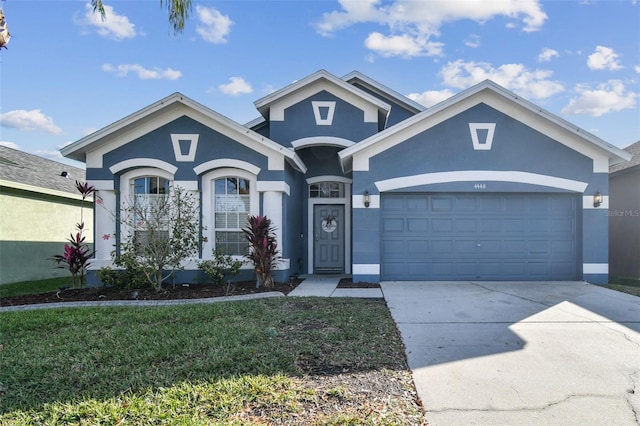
(520, 353)
(326, 286)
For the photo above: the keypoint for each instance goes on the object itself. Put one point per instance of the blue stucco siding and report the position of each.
(158, 145)
(299, 122)
(448, 146)
(292, 222)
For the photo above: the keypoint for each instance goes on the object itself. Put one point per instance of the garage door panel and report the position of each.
(479, 236)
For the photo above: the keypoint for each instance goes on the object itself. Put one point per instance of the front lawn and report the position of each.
(270, 361)
(625, 285)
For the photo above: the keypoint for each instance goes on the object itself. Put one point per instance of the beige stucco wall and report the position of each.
(33, 227)
(624, 224)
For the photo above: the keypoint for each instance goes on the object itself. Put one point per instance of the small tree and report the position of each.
(163, 232)
(77, 253)
(263, 248)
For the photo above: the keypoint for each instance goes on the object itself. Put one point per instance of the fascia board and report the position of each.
(78, 148)
(384, 90)
(263, 104)
(165, 111)
(45, 191)
(498, 98)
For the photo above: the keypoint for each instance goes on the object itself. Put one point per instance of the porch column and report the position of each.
(272, 192)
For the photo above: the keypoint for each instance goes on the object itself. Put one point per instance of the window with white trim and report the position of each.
(231, 206)
(150, 194)
(326, 190)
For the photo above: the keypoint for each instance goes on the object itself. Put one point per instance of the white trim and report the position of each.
(479, 176)
(366, 269)
(486, 144)
(273, 186)
(126, 198)
(207, 202)
(501, 100)
(595, 268)
(331, 105)
(358, 201)
(346, 201)
(383, 90)
(143, 162)
(226, 163)
(106, 185)
(587, 202)
(329, 178)
(193, 146)
(274, 104)
(321, 141)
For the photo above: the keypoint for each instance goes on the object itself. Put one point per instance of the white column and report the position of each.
(105, 227)
(272, 208)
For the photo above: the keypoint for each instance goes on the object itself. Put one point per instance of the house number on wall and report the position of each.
(480, 186)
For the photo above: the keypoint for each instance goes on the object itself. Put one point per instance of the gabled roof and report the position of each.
(485, 91)
(322, 80)
(166, 109)
(21, 170)
(382, 90)
(634, 150)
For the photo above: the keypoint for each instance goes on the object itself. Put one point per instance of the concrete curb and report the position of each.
(56, 305)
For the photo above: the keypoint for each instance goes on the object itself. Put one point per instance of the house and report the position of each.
(358, 179)
(40, 208)
(624, 216)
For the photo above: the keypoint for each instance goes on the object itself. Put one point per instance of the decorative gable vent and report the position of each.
(482, 135)
(191, 145)
(323, 112)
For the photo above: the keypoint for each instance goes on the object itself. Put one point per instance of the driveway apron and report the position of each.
(521, 353)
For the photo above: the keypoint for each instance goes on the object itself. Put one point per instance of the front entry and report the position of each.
(328, 238)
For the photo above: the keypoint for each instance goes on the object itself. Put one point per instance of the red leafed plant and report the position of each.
(77, 253)
(263, 248)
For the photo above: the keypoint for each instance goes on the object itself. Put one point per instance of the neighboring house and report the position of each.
(361, 180)
(40, 207)
(624, 216)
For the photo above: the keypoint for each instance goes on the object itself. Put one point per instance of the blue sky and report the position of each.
(66, 73)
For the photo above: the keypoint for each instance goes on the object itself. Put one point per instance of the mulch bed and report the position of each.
(168, 292)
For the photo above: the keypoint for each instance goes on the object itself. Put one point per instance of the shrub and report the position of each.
(221, 266)
(263, 248)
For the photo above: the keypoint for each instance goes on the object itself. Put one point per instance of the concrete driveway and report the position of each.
(521, 353)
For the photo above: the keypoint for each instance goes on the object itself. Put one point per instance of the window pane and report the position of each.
(244, 186)
(232, 185)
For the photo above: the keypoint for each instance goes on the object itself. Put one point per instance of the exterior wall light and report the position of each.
(367, 199)
(597, 199)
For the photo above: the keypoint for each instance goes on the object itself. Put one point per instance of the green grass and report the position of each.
(625, 285)
(33, 287)
(193, 364)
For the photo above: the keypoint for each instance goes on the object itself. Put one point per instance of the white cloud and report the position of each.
(10, 145)
(535, 84)
(547, 54)
(29, 120)
(156, 73)
(236, 86)
(114, 26)
(473, 41)
(603, 58)
(637, 69)
(431, 97)
(213, 26)
(605, 98)
(402, 45)
(412, 24)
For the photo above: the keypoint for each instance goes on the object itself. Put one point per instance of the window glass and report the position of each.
(150, 193)
(231, 206)
(326, 190)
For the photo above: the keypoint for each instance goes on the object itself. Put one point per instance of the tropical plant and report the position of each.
(77, 253)
(161, 232)
(221, 266)
(263, 248)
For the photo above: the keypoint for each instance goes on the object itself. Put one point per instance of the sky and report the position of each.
(67, 73)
